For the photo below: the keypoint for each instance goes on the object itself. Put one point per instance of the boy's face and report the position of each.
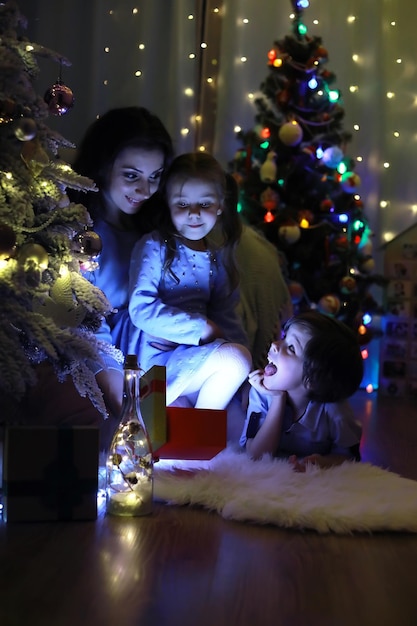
(284, 371)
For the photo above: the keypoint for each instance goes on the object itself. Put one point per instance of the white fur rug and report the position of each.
(344, 499)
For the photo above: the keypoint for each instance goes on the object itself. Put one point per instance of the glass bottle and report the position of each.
(129, 467)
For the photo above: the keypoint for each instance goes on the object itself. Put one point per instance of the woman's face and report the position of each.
(135, 176)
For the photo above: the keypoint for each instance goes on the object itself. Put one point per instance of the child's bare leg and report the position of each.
(220, 376)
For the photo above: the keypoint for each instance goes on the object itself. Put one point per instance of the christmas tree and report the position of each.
(48, 310)
(299, 186)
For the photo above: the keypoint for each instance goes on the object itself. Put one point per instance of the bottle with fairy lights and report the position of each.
(129, 467)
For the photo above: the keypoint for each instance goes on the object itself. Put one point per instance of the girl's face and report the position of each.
(195, 206)
(135, 176)
(284, 371)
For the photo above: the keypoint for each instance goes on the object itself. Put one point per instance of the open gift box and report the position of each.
(176, 432)
(193, 433)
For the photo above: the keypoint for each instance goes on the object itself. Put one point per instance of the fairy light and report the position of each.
(244, 26)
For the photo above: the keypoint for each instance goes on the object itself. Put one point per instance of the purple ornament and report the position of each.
(59, 99)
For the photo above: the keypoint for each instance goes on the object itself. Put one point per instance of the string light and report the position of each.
(245, 38)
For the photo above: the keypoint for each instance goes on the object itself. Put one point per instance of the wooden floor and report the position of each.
(188, 567)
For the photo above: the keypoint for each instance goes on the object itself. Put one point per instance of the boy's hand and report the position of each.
(256, 379)
(299, 465)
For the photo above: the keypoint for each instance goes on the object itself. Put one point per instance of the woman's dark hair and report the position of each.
(333, 364)
(111, 133)
(200, 165)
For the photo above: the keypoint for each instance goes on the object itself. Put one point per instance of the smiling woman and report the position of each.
(125, 152)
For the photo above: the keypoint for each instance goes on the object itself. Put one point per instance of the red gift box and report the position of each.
(50, 473)
(194, 433)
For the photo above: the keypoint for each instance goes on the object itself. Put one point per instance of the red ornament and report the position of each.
(326, 205)
(59, 98)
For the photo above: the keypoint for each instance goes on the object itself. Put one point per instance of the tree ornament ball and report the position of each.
(290, 133)
(59, 99)
(33, 254)
(329, 304)
(350, 182)
(347, 285)
(7, 241)
(25, 129)
(326, 205)
(332, 157)
(87, 245)
(289, 233)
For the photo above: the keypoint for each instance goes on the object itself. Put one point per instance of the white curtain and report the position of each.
(125, 52)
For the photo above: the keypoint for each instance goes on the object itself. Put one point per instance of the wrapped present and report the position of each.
(152, 404)
(194, 433)
(50, 473)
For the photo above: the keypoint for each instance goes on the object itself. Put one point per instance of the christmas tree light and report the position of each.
(48, 310)
(300, 186)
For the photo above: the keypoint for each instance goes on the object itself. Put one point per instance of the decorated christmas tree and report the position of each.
(299, 185)
(48, 310)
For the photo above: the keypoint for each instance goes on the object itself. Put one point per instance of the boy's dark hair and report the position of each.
(111, 133)
(201, 165)
(333, 364)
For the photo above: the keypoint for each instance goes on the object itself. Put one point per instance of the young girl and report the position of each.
(183, 289)
(298, 404)
(125, 152)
